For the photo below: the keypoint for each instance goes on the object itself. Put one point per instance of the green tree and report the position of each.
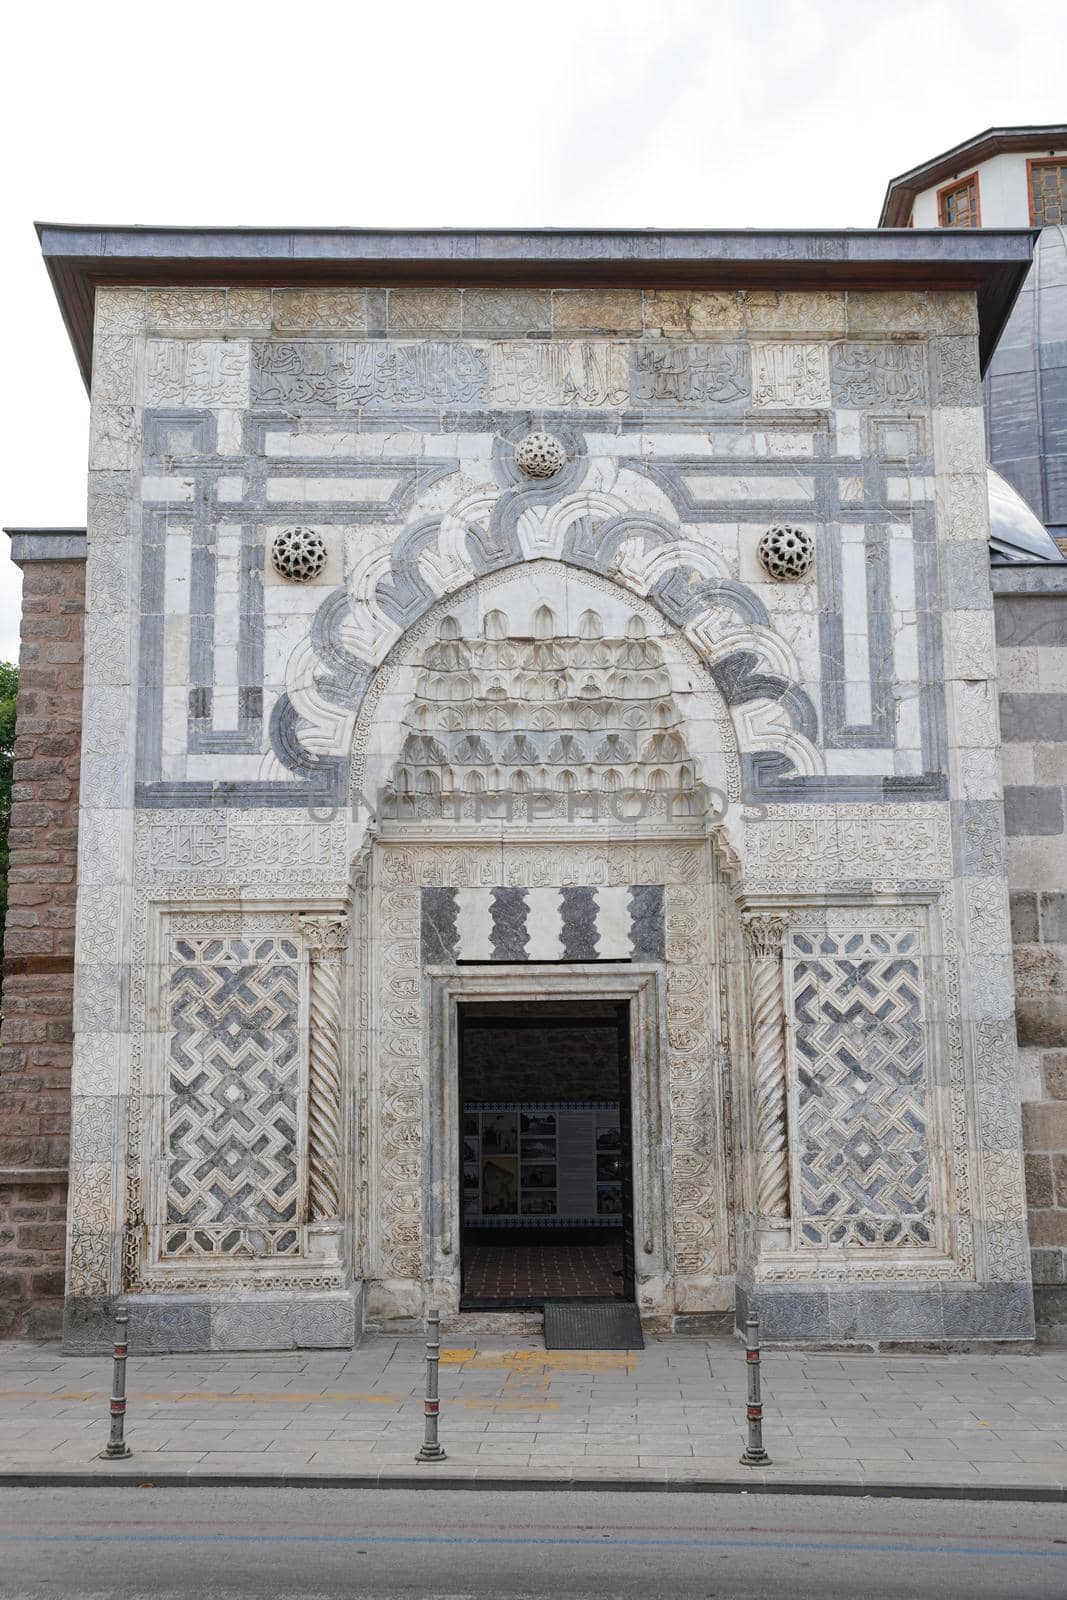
(9, 685)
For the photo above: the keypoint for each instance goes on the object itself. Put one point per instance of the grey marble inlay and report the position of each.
(579, 924)
(508, 924)
(437, 925)
(647, 926)
(568, 924)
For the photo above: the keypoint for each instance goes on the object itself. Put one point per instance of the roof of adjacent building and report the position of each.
(900, 193)
(993, 262)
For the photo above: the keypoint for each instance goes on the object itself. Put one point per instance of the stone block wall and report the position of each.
(1031, 630)
(36, 1036)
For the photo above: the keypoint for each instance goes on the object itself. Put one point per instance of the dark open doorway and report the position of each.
(546, 1153)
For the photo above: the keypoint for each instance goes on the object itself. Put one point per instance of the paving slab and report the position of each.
(672, 1415)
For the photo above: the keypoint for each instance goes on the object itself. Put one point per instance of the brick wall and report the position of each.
(1032, 657)
(35, 1039)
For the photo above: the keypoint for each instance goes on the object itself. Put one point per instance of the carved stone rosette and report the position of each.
(326, 937)
(764, 939)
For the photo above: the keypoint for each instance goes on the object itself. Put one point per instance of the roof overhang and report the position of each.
(992, 262)
(900, 193)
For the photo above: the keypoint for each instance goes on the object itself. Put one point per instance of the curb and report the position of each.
(758, 1483)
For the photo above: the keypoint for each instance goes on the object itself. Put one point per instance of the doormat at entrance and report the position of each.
(596, 1325)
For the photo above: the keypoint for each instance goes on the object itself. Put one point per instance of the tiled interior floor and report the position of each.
(542, 1271)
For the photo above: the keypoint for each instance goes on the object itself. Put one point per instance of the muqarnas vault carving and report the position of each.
(542, 716)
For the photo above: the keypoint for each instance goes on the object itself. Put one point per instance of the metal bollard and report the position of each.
(431, 1449)
(117, 1449)
(754, 1453)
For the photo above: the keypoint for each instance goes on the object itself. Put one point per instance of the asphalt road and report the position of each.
(221, 1544)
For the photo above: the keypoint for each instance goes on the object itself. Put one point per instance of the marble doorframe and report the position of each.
(645, 988)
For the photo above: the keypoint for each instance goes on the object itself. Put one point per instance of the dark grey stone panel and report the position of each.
(1033, 718)
(988, 1311)
(578, 909)
(647, 929)
(1039, 619)
(800, 1315)
(438, 933)
(876, 1314)
(1024, 921)
(60, 545)
(163, 1323)
(508, 936)
(1050, 1313)
(89, 1325)
(1032, 810)
(1054, 917)
(328, 1321)
(1049, 1266)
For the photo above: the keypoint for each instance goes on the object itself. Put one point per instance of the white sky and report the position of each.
(661, 113)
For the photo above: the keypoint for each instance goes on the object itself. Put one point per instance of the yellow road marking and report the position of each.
(536, 1361)
(468, 1402)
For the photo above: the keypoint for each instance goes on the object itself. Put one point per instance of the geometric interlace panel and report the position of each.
(862, 1092)
(230, 1120)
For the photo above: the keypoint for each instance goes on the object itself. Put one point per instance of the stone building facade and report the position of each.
(607, 624)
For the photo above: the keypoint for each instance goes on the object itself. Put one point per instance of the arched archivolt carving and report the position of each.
(613, 519)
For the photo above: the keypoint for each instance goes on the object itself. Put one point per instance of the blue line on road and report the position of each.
(599, 1543)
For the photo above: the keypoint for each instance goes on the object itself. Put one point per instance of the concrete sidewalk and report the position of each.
(670, 1416)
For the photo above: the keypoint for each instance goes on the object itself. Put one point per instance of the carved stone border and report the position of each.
(143, 1270)
(927, 908)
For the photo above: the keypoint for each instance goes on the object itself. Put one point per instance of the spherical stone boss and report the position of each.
(298, 553)
(540, 455)
(786, 553)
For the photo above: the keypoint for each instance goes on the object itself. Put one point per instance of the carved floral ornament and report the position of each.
(298, 553)
(540, 455)
(324, 935)
(786, 553)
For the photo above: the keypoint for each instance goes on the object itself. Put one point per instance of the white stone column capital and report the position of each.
(325, 934)
(765, 932)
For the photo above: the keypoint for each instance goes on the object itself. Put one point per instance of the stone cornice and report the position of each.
(80, 259)
(46, 544)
